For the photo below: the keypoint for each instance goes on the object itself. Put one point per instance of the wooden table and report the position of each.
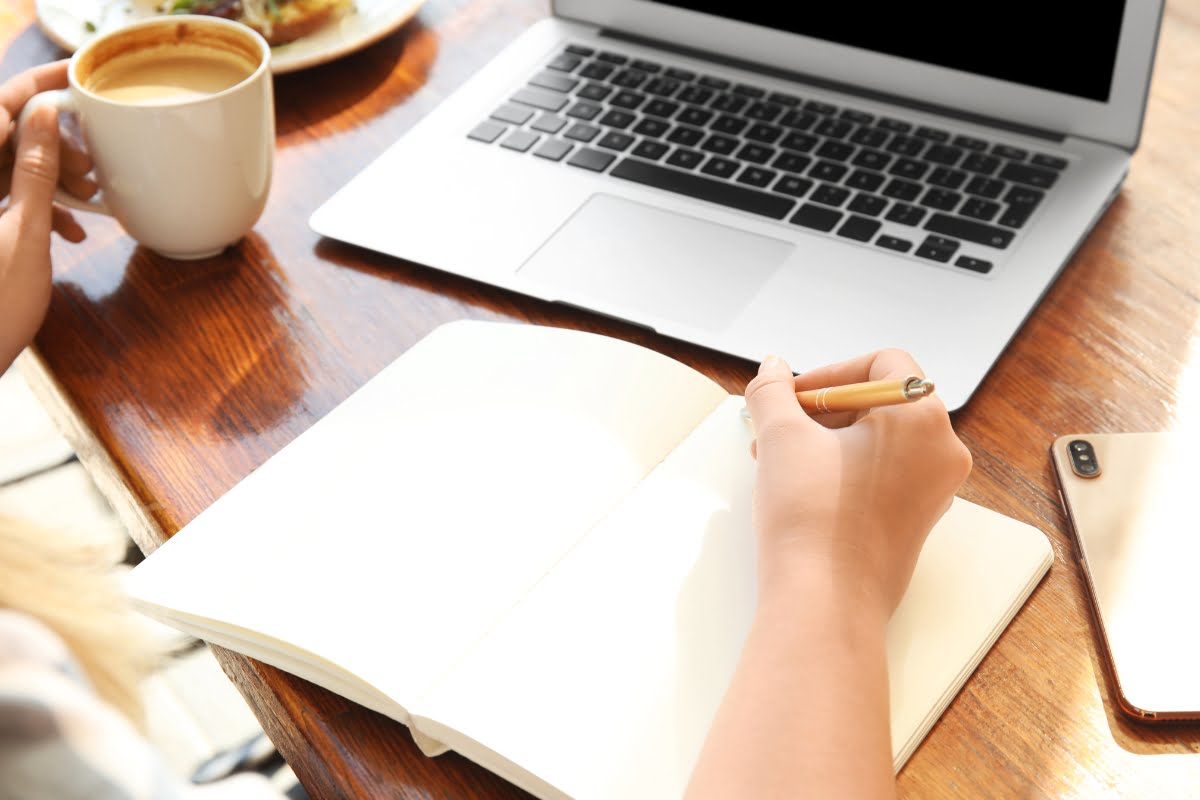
(174, 381)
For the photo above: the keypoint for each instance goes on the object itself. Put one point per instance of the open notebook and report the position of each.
(533, 546)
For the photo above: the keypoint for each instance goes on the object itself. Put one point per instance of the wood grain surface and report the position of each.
(173, 381)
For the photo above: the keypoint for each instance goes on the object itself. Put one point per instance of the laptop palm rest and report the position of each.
(619, 255)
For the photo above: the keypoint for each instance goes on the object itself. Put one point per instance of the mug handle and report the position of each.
(61, 101)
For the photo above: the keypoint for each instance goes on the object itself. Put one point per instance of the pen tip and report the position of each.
(920, 387)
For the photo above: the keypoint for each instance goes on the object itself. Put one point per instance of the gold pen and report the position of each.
(859, 396)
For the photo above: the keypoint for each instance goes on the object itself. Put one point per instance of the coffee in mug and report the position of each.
(177, 113)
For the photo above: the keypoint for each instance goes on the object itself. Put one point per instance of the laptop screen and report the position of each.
(1062, 47)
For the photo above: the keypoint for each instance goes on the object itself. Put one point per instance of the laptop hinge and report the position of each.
(825, 83)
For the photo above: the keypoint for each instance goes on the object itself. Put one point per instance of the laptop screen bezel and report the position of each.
(1117, 121)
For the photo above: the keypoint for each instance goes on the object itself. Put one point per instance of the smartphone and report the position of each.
(1131, 499)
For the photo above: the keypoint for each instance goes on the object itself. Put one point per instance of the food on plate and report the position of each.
(279, 21)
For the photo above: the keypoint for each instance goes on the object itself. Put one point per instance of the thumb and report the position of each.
(771, 395)
(35, 172)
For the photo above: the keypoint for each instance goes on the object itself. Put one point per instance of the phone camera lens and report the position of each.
(1083, 459)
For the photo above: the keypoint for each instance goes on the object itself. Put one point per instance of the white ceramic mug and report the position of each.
(187, 177)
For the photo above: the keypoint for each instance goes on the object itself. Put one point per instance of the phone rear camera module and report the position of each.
(1083, 459)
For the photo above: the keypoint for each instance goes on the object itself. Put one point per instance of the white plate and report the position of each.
(69, 24)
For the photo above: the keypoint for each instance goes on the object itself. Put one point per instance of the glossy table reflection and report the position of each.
(174, 381)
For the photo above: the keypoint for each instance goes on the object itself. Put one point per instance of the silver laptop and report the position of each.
(756, 180)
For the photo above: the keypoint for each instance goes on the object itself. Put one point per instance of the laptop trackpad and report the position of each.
(619, 254)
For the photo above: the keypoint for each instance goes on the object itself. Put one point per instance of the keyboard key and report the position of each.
(871, 160)
(764, 112)
(540, 98)
(651, 127)
(730, 103)
(722, 145)
(792, 162)
(905, 145)
(579, 50)
(941, 199)
(793, 186)
(985, 187)
(909, 168)
(834, 128)
(901, 189)
(933, 134)
(646, 66)
(629, 78)
(627, 99)
(1015, 153)
(565, 62)
(828, 171)
(830, 195)
(937, 248)
(869, 204)
(784, 99)
(515, 115)
(1053, 162)
(905, 214)
(663, 87)
(860, 117)
(800, 120)
(648, 148)
(613, 58)
(869, 137)
(757, 176)
(594, 91)
(947, 178)
(548, 123)
(596, 71)
(894, 125)
(820, 218)
(761, 132)
(1023, 196)
(720, 167)
(487, 132)
(972, 231)
(1015, 216)
(837, 151)
(860, 229)
(520, 141)
(800, 142)
(893, 243)
(729, 124)
(614, 140)
(1034, 176)
(688, 137)
(984, 165)
(661, 108)
(582, 132)
(980, 209)
(757, 153)
(553, 149)
(820, 108)
(973, 264)
(594, 160)
(943, 154)
(680, 74)
(684, 158)
(555, 81)
(714, 83)
(614, 118)
(694, 116)
(867, 181)
(584, 110)
(970, 143)
(749, 91)
(696, 95)
(702, 188)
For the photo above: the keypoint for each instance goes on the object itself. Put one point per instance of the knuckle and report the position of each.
(38, 163)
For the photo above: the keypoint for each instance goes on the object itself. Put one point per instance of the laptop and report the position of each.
(755, 180)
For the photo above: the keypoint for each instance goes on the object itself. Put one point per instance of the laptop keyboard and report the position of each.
(878, 180)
